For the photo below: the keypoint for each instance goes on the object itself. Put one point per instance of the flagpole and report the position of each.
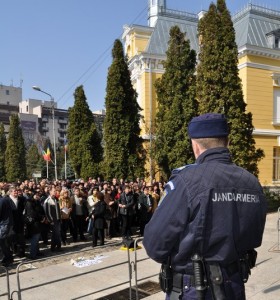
(65, 156)
(65, 161)
(47, 169)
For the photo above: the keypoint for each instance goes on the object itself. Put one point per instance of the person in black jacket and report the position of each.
(6, 229)
(126, 210)
(45, 226)
(18, 205)
(145, 207)
(52, 211)
(98, 216)
(34, 218)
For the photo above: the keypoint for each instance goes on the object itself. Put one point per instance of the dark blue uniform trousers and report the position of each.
(234, 289)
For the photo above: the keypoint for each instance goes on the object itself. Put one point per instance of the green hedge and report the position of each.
(272, 195)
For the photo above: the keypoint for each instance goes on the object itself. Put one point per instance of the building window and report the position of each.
(276, 164)
(26, 108)
(273, 39)
(277, 43)
(7, 92)
(276, 104)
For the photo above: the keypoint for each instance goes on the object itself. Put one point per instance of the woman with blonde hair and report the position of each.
(65, 204)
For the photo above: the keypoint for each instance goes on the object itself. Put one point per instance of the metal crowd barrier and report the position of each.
(132, 269)
(132, 266)
(278, 227)
(8, 281)
(20, 289)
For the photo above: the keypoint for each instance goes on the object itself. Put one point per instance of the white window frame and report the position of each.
(276, 164)
(276, 106)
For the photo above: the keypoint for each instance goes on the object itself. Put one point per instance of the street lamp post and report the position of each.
(54, 141)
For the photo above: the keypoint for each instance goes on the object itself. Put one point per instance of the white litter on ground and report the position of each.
(81, 262)
(29, 266)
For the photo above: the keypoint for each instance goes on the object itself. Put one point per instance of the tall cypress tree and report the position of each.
(81, 123)
(176, 104)
(92, 153)
(15, 152)
(124, 153)
(219, 86)
(3, 145)
(32, 160)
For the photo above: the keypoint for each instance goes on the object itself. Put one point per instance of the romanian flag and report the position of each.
(65, 144)
(47, 156)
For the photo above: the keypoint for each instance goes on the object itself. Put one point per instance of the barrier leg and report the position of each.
(8, 281)
(129, 273)
(135, 266)
(278, 227)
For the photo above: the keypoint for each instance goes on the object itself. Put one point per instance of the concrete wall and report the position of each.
(10, 95)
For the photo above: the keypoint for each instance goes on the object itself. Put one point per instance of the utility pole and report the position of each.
(54, 139)
(53, 125)
(151, 121)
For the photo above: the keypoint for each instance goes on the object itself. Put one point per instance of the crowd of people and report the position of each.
(62, 212)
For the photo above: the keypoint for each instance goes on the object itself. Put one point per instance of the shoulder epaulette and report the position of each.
(178, 170)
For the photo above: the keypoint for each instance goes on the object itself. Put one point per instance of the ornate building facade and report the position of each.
(258, 40)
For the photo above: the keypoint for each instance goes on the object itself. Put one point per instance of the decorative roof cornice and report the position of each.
(258, 51)
(127, 29)
(139, 64)
(145, 55)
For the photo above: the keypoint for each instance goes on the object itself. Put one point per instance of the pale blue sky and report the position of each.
(60, 44)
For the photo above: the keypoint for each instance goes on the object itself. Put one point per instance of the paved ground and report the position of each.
(55, 278)
(265, 280)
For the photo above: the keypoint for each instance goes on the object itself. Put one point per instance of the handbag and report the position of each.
(90, 225)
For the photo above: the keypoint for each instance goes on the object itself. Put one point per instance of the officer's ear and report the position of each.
(196, 148)
(228, 142)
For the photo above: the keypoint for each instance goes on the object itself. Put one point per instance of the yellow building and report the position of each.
(258, 39)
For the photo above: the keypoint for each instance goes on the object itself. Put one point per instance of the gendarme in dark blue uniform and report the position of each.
(213, 208)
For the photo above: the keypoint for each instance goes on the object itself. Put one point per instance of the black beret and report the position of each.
(209, 125)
